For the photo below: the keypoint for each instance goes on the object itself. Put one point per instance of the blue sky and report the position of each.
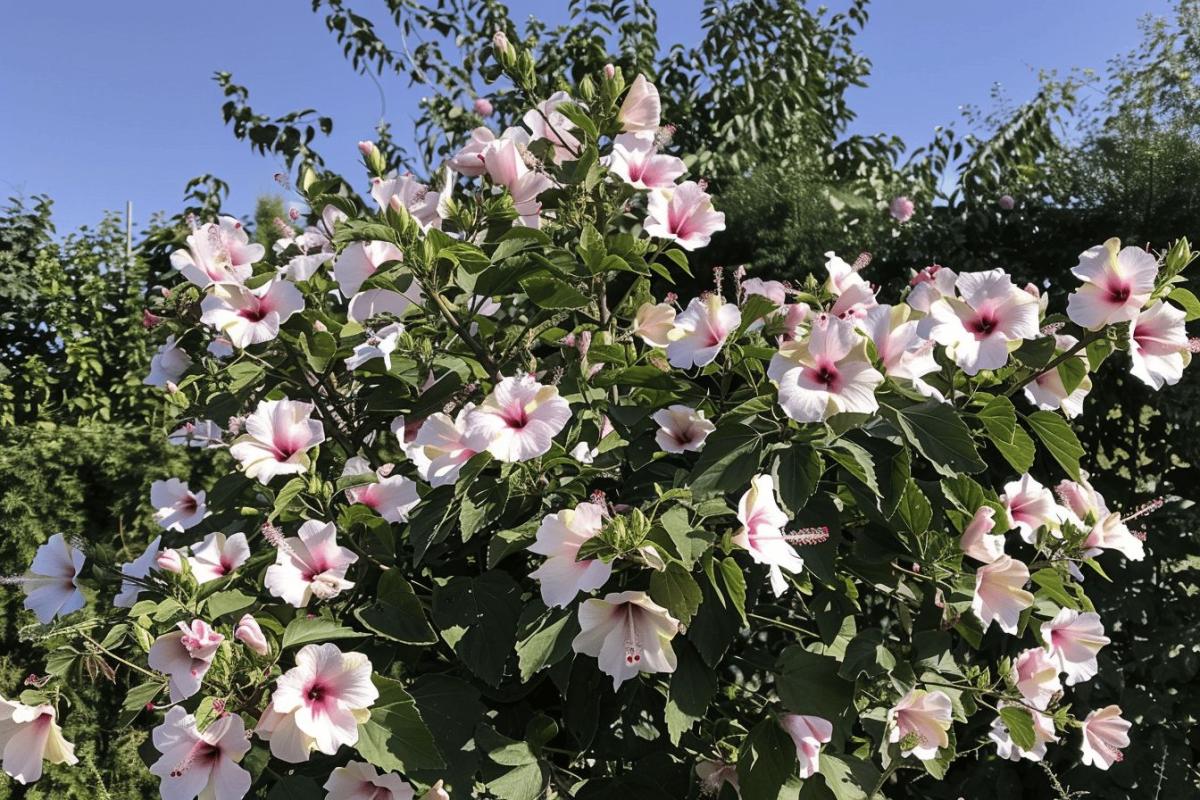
(105, 103)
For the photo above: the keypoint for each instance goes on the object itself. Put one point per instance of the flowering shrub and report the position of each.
(505, 523)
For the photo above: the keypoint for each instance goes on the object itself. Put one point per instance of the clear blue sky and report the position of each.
(102, 103)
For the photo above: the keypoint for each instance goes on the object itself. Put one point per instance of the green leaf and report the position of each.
(766, 761)
(296, 787)
(228, 602)
(305, 630)
(1019, 722)
(731, 456)
(693, 686)
(396, 738)
(914, 508)
(546, 641)
(549, 292)
(847, 777)
(395, 612)
(797, 473)
(858, 462)
(735, 586)
(1185, 298)
(1050, 582)
(676, 590)
(290, 491)
(1056, 434)
(520, 783)
(690, 542)
(478, 618)
(753, 309)
(808, 683)
(1072, 372)
(867, 654)
(138, 696)
(940, 435)
(999, 419)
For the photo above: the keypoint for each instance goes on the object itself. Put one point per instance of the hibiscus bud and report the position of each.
(584, 343)
(293, 213)
(150, 319)
(249, 633)
(901, 209)
(503, 49)
(372, 157)
(1007, 202)
(172, 387)
(609, 71)
(483, 107)
(568, 340)
(169, 560)
(319, 326)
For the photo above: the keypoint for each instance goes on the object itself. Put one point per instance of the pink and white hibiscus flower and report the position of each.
(761, 533)
(978, 541)
(185, 655)
(808, 734)
(1072, 640)
(134, 574)
(559, 537)
(547, 122)
(681, 429)
(176, 507)
(319, 703)
(391, 496)
(201, 764)
(627, 633)
(655, 324)
(1043, 733)
(1030, 506)
(468, 161)
(379, 344)
(1158, 345)
(442, 446)
(701, 330)
(51, 585)
(920, 722)
(504, 159)
(310, 564)
(202, 433)
(989, 318)
(218, 555)
(278, 436)
(641, 110)
(1000, 596)
(1105, 734)
(30, 735)
(635, 159)
(1111, 533)
(903, 352)
(828, 373)
(358, 780)
(684, 215)
(361, 260)
(168, 364)
(928, 285)
(251, 316)
(406, 192)
(1036, 677)
(218, 253)
(1087, 510)
(1047, 390)
(519, 419)
(1117, 282)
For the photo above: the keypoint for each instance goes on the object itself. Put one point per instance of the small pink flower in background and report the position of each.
(1036, 677)
(1117, 282)
(636, 161)
(1105, 734)
(150, 320)
(559, 537)
(469, 160)
(1000, 595)
(826, 374)
(134, 574)
(547, 122)
(483, 107)
(406, 192)
(1007, 202)
(360, 261)
(51, 585)
(310, 564)
(441, 446)
(278, 436)
(902, 351)
(642, 109)
(392, 496)
(380, 344)
(218, 555)
(218, 253)
(176, 507)
(684, 215)
(201, 764)
(1043, 733)
(655, 324)
(1158, 345)
(250, 633)
(359, 780)
(30, 735)
(901, 208)
(1030, 506)
(808, 733)
(762, 534)
(1047, 391)
(168, 365)
(169, 560)
(681, 429)
(989, 319)
(1072, 640)
(920, 722)
(319, 703)
(185, 655)
(251, 316)
(627, 633)
(519, 419)
(203, 433)
(701, 330)
(978, 541)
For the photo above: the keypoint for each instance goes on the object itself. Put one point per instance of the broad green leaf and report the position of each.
(857, 461)
(675, 589)
(1185, 298)
(545, 641)
(797, 473)
(478, 619)
(766, 761)
(1050, 583)
(914, 508)
(693, 686)
(940, 435)
(1019, 722)
(395, 612)
(396, 738)
(847, 777)
(549, 292)
(305, 630)
(231, 601)
(999, 419)
(1056, 434)
(690, 541)
(808, 683)
(730, 458)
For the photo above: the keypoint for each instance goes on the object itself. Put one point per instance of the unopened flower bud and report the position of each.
(483, 107)
(249, 633)
(501, 45)
(609, 71)
(293, 213)
(150, 319)
(169, 560)
(372, 157)
(901, 208)
(1007, 202)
